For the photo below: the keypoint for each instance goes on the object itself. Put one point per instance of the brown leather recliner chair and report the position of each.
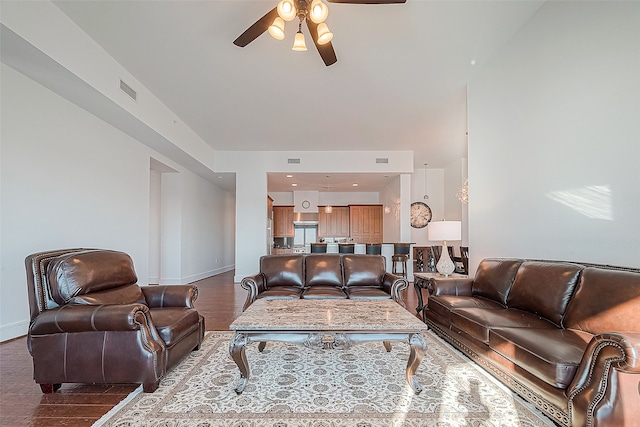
(92, 323)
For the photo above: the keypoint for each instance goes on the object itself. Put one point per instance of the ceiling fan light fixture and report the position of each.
(287, 10)
(324, 35)
(319, 11)
(276, 30)
(298, 43)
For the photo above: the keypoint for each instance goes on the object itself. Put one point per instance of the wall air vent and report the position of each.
(293, 161)
(382, 160)
(128, 90)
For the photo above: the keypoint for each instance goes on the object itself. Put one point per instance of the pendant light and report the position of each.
(298, 43)
(425, 197)
(328, 208)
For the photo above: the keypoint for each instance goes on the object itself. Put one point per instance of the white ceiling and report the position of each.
(399, 83)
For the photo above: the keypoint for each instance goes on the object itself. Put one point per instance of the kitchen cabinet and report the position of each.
(283, 221)
(365, 223)
(334, 224)
(269, 207)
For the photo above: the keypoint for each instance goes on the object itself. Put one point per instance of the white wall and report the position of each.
(71, 180)
(554, 139)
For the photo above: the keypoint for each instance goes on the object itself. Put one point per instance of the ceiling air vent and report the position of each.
(293, 161)
(382, 160)
(128, 90)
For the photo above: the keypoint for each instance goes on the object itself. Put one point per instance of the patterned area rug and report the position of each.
(291, 386)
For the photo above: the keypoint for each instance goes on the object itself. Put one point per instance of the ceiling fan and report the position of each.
(313, 12)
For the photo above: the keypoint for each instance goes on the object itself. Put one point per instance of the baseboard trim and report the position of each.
(195, 277)
(14, 330)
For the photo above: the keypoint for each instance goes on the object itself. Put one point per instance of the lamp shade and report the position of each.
(277, 28)
(444, 230)
(324, 35)
(319, 11)
(287, 10)
(298, 43)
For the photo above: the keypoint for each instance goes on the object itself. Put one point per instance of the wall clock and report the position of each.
(305, 204)
(420, 214)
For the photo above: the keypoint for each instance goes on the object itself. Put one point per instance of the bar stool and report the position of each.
(373, 248)
(318, 248)
(346, 248)
(400, 258)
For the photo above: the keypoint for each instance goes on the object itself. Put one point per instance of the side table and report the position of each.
(422, 281)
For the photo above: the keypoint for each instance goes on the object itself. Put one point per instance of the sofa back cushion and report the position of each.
(127, 294)
(604, 301)
(494, 278)
(544, 288)
(81, 273)
(363, 270)
(323, 270)
(282, 270)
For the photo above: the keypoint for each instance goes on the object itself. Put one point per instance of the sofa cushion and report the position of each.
(363, 270)
(80, 273)
(478, 321)
(282, 270)
(553, 355)
(324, 292)
(173, 323)
(128, 294)
(323, 270)
(604, 301)
(281, 292)
(494, 278)
(544, 288)
(443, 304)
(366, 292)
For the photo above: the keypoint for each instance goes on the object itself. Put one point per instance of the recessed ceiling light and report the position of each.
(354, 184)
(473, 62)
(289, 176)
(294, 185)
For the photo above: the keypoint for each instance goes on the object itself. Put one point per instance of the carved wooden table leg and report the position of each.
(236, 350)
(418, 347)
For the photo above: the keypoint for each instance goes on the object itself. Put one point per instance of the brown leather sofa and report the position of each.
(92, 323)
(564, 336)
(338, 276)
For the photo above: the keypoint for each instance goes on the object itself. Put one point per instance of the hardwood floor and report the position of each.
(79, 405)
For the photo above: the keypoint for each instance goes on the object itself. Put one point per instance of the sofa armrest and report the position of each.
(450, 286)
(394, 285)
(170, 296)
(254, 285)
(89, 318)
(607, 377)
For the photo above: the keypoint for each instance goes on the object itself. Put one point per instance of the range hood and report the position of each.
(305, 218)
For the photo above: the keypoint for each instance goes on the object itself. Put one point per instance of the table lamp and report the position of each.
(445, 230)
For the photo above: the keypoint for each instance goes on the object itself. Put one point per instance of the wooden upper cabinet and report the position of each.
(283, 221)
(366, 223)
(269, 207)
(334, 224)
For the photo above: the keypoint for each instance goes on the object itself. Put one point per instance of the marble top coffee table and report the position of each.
(327, 324)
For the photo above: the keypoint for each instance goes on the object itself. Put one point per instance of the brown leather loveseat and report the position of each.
(338, 276)
(92, 323)
(564, 336)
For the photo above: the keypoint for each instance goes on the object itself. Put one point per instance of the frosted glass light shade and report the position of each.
(444, 230)
(298, 43)
(277, 28)
(324, 35)
(286, 10)
(328, 209)
(318, 12)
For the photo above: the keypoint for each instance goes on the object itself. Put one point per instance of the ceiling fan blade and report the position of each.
(325, 50)
(367, 1)
(259, 27)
